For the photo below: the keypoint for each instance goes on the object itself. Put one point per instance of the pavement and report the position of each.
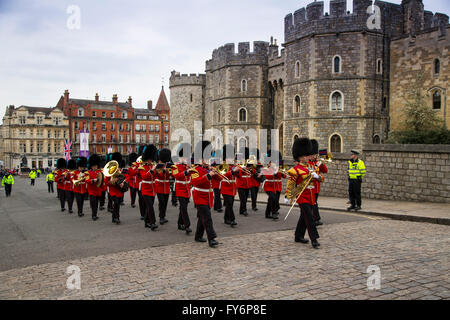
(257, 260)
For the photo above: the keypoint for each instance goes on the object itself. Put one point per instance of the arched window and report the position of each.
(218, 116)
(335, 143)
(242, 113)
(242, 143)
(437, 100)
(191, 97)
(297, 69)
(297, 104)
(337, 64)
(81, 112)
(244, 85)
(437, 66)
(379, 66)
(376, 139)
(336, 101)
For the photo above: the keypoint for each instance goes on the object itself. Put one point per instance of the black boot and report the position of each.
(181, 227)
(233, 223)
(315, 244)
(188, 230)
(163, 220)
(301, 240)
(200, 239)
(213, 243)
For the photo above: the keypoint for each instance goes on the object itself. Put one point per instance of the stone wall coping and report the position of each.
(419, 148)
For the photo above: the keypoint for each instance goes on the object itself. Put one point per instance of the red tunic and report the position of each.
(279, 183)
(271, 182)
(91, 183)
(148, 181)
(202, 191)
(182, 183)
(132, 177)
(80, 187)
(321, 170)
(308, 195)
(68, 177)
(229, 188)
(243, 181)
(59, 178)
(162, 182)
(113, 190)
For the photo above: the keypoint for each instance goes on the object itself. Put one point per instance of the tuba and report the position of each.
(112, 170)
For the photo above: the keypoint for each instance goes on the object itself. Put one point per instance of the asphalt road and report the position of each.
(33, 230)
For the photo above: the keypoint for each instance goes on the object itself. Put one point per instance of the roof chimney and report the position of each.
(96, 97)
(66, 97)
(149, 105)
(130, 101)
(114, 99)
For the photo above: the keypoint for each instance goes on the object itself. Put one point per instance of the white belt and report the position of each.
(310, 187)
(162, 180)
(272, 180)
(245, 177)
(147, 182)
(202, 190)
(182, 182)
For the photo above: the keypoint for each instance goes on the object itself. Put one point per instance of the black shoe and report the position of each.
(95, 218)
(351, 208)
(142, 218)
(275, 216)
(80, 215)
(245, 213)
(219, 210)
(153, 227)
(181, 227)
(213, 243)
(319, 223)
(200, 239)
(117, 221)
(315, 244)
(102, 208)
(122, 204)
(301, 240)
(148, 225)
(233, 223)
(62, 209)
(357, 208)
(70, 211)
(269, 217)
(188, 230)
(163, 220)
(133, 206)
(227, 222)
(255, 209)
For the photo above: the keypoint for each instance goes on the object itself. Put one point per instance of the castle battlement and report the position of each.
(226, 55)
(177, 79)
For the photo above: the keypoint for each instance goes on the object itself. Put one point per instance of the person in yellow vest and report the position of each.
(50, 179)
(38, 173)
(356, 174)
(32, 176)
(7, 182)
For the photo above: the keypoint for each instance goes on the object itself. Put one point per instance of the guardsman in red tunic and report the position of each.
(302, 177)
(256, 179)
(131, 178)
(59, 178)
(243, 184)
(117, 186)
(92, 182)
(182, 187)
(68, 184)
(271, 176)
(321, 169)
(147, 174)
(162, 182)
(203, 196)
(229, 189)
(80, 188)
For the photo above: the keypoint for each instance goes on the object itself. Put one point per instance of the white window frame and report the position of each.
(295, 106)
(340, 64)
(80, 112)
(329, 141)
(380, 71)
(297, 70)
(246, 114)
(331, 100)
(244, 89)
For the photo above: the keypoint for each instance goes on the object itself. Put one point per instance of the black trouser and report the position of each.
(355, 192)
(69, 197)
(62, 197)
(149, 216)
(243, 195)
(80, 202)
(217, 200)
(254, 196)
(93, 200)
(183, 216)
(306, 222)
(102, 199)
(277, 200)
(132, 195)
(229, 212)
(32, 182)
(204, 222)
(163, 199)
(115, 207)
(50, 186)
(8, 188)
(110, 204)
(271, 207)
(316, 209)
(141, 203)
(174, 195)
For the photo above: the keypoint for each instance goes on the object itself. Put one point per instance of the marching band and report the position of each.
(151, 174)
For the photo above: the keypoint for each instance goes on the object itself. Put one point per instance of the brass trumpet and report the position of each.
(221, 171)
(81, 178)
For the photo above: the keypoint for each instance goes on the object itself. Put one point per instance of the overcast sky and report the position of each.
(125, 47)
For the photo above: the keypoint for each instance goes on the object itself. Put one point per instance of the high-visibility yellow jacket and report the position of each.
(50, 177)
(39, 171)
(8, 179)
(356, 169)
(32, 175)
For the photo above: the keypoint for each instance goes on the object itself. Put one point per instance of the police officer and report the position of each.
(50, 179)
(356, 173)
(32, 176)
(7, 182)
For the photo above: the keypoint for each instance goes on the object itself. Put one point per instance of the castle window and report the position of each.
(191, 97)
(336, 101)
(376, 139)
(379, 66)
(218, 116)
(337, 68)
(242, 115)
(296, 104)
(437, 66)
(297, 69)
(242, 143)
(244, 85)
(81, 112)
(436, 100)
(335, 143)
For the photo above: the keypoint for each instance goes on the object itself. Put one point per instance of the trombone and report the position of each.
(221, 171)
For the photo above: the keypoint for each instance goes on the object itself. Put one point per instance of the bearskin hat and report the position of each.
(94, 160)
(165, 155)
(150, 152)
(72, 164)
(132, 157)
(140, 150)
(102, 160)
(82, 162)
(117, 156)
(61, 163)
(315, 146)
(301, 147)
(199, 150)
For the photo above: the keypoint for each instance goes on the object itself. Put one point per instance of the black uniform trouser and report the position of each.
(110, 203)
(32, 182)
(229, 212)
(93, 201)
(243, 195)
(69, 197)
(50, 186)
(217, 200)
(174, 195)
(355, 192)
(163, 199)
(115, 207)
(316, 209)
(183, 216)
(149, 216)
(141, 203)
(277, 200)
(132, 195)
(102, 199)
(204, 222)
(271, 207)
(254, 196)
(8, 188)
(306, 222)
(80, 202)
(62, 197)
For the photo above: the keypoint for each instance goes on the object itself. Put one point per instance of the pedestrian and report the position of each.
(117, 186)
(50, 178)
(228, 188)
(149, 155)
(38, 173)
(59, 177)
(216, 188)
(320, 169)
(356, 174)
(68, 184)
(162, 182)
(94, 186)
(132, 172)
(271, 176)
(32, 176)
(182, 188)
(79, 184)
(7, 182)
